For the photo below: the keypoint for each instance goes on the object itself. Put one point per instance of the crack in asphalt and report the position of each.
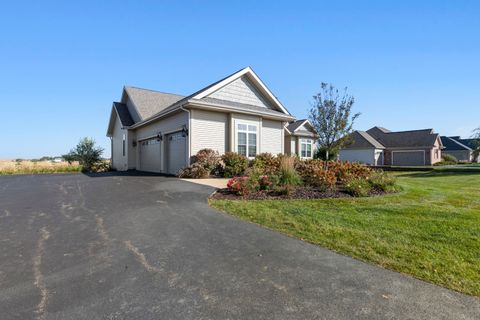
(39, 278)
(141, 258)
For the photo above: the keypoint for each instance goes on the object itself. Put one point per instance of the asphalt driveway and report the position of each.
(149, 247)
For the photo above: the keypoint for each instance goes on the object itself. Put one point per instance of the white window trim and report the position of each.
(257, 134)
(303, 141)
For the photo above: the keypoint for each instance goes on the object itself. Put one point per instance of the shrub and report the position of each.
(288, 176)
(102, 166)
(242, 185)
(195, 171)
(383, 181)
(268, 163)
(86, 153)
(345, 171)
(207, 158)
(447, 159)
(234, 164)
(314, 174)
(358, 187)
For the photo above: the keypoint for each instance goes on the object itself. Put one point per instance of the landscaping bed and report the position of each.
(297, 193)
(289, 177)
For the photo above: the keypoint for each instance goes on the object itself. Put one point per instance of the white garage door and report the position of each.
(149, 157)
(408, 158)
(176, 152)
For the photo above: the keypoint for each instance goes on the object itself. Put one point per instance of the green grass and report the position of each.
(430, 230)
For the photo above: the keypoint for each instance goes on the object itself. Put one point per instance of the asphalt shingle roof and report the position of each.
(150, 102)
(123, 114)
(294, 125)
(400, 139)
(452, 144)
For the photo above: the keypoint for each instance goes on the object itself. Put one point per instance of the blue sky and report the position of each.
(409, 64)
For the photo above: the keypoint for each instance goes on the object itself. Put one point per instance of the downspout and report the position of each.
(189, 134)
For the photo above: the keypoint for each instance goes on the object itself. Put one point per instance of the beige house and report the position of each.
(379, 146)
(300, 139)
(160, 132)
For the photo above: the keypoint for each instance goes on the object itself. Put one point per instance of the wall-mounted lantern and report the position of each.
(184, 131)
(159, 136)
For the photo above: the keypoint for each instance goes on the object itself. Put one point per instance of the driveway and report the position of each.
(149, 247)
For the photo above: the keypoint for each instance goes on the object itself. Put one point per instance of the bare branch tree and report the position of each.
(331, 117)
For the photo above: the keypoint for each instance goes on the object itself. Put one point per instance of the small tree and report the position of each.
(86, 153)
(331, 117)
(476, 150)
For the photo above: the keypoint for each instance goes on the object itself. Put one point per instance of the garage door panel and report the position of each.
(408, 158)
(176, 152)
(149, 157)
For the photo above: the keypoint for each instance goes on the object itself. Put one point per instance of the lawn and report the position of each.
(430, 230)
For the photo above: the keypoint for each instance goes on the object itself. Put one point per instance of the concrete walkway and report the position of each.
(218, 183)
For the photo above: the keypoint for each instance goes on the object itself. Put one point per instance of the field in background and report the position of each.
(33, 167)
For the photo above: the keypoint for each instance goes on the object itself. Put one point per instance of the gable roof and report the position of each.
(149, 102)
(295, 125)
(296, 128)
(361, 139)
(451, 144)
(402, 139)
(123, 113)
(252, 76)
(471, 143)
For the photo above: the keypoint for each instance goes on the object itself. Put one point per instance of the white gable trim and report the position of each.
(255, 80)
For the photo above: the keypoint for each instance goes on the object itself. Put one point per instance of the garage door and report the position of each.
(176, 152)
(149, 156)
(408, 158)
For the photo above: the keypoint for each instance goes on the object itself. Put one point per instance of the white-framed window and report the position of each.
(247, 139)
(123, 144)
(306, 147)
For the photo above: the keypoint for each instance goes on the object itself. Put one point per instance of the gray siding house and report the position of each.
(379, 146)
(462, 149)
(160, 132)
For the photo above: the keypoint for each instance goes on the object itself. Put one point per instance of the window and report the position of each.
(123, 146)
(436, 154)
(247, 140)
(306, 148)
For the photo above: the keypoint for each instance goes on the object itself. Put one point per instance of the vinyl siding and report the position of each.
(241, 91)
(131, 151)
(164, 125)
(209, 130)
(119, 162)
(272, 136)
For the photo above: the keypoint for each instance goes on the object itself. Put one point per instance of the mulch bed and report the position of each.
(297, 193)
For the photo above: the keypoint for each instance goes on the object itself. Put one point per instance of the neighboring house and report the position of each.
(379, 146)
(300, 139)
(160, 132)
(462, 149)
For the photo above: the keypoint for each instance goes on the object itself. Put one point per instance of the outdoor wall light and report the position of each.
(159, 136)
(184, 131)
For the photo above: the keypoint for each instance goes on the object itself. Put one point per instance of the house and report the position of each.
(300, 139)
(379, 146)
(462, 149)
(160, 132)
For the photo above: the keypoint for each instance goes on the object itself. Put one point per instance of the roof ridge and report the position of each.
(157, 91)
(429, 129)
